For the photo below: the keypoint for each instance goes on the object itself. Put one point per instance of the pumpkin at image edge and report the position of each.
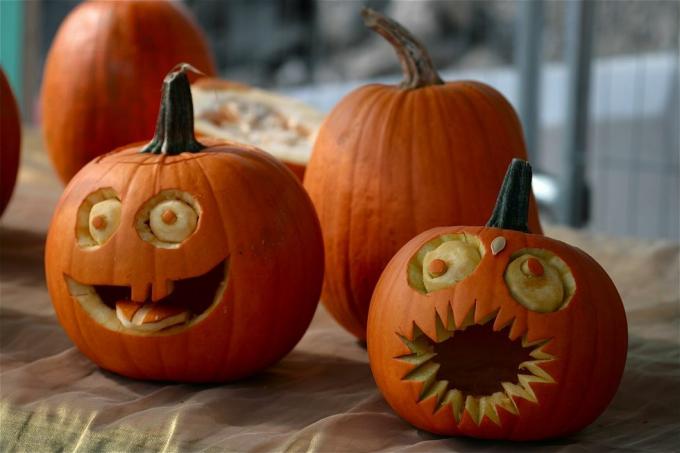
(10, 141)
(102, 73)
(184, 261)
(392, 161)
(493, 332)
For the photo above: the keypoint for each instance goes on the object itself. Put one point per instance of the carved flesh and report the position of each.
(473, 368)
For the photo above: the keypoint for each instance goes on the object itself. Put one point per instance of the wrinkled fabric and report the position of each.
(321, 397)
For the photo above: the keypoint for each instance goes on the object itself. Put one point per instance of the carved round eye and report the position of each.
(539, 280)
(448, 264)
(98, 218)
(172, 220)
(168, 218)
(104, 219)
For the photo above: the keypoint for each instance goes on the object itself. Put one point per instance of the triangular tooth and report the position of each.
(503, 320)
(517, 390)
(539, 354)
(469, 318)
(535, 343)
(472, 408)
(455, 399)
(443, 333)
(424, 373)
(419, 345)
(437, 389)
(491, 316)
(525, 380)
(450, 322)
(416, 359)
(502, 400)
(534, 368)
(487, 407)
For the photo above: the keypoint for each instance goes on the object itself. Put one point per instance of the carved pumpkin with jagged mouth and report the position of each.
(494, 332)
(184, 261)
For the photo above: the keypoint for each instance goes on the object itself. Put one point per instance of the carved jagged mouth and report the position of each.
(474, 369)
(188, 302)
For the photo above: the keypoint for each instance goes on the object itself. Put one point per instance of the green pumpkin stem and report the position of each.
(512, 206)
(175, 125)
(415, 61)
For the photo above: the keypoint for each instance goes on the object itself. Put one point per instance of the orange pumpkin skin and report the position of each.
(253, 214)
(100, 84)
(10, 141)
(587, 339)
(389, 163)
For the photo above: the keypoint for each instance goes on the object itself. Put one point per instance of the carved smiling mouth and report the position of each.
(474, 369)
(189, 301)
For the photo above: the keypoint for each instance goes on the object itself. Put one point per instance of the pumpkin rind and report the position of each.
(389, 163)
(10, 141)
(100, 85)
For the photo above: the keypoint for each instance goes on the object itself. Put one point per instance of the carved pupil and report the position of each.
(437, 267)
(169, 217)
(99, 222)
(533, 268)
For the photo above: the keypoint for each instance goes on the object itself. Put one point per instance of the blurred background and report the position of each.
(596, 83)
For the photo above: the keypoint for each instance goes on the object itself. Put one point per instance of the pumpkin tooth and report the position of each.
(450, 321)
(416, 359)
(539, 354)
(454, 397)
(472, 408)
(489, 317)
(501, 399)
(469, 318)
(419, 345)
(438, 389)
(487, 407)
(517, 390)
(443, 333)
(534, 368)
(425, 373)
(536, 343)
(525, 380)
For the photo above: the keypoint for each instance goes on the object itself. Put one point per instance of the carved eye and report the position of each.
(168, 219)
(98, 218)
(445, 261)
(539, 280)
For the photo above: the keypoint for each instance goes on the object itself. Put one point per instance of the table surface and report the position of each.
(320, 397)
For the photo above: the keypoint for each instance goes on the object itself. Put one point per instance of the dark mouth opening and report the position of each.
(195, 294)
(477, 360)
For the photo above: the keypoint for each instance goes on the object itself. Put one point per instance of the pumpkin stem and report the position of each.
(175, 125)
(512, 206)
(415, 61)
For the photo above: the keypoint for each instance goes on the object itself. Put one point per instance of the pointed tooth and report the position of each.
(443, 333)
(419, 345)
(424, 373)
(450, 322)
(525, 380)
(489, 317)
(472, 408)
(487, 408)
(539, 354)
(502, 400)
(416, 359)
(517, 390)
(534, 368)
(536, 343)
(455, 399)
(437, 389)
(469, 318)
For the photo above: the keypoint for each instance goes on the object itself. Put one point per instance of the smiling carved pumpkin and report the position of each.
(493, 332)
(184, 262)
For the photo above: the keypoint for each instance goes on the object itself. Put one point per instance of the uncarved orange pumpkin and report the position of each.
(494, 332)
(181, 260)
(10, 141)
(390, 162)
(102, 73)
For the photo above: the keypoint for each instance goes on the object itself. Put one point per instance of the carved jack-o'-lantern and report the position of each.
(180, 261)
(493, 332)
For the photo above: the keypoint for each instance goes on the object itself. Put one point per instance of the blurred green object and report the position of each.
(11, 34)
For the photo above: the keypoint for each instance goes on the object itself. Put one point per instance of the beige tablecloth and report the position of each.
(321, 397)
